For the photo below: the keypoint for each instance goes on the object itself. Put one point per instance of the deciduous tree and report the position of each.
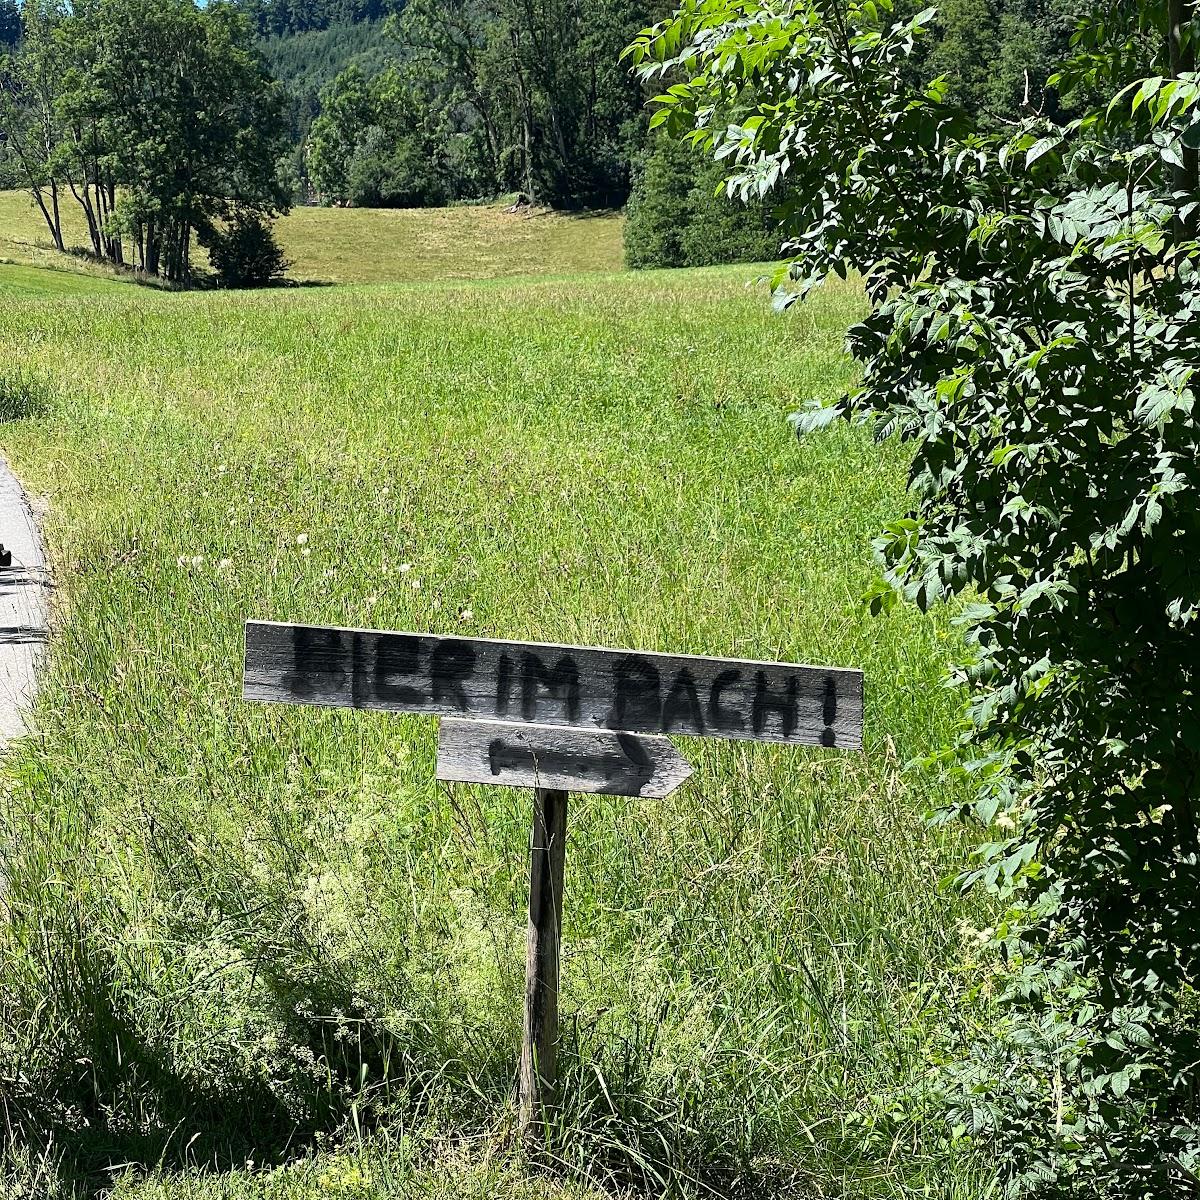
(1032, 334)
(157, 116)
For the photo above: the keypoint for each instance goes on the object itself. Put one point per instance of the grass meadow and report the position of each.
(360, 245)
(258, 953)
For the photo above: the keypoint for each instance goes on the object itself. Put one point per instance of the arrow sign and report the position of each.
(548, 756)
(555, 719)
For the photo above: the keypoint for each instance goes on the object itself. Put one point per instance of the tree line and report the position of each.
(435, 101)
(485, 97)
(156, 118)
(277, 18)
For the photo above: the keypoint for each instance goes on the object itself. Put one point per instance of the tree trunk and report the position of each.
(56, 225)
(85, 202)
(51, 219)
(1182, 54)
(116, 246)
(150, 254)
(526, 105)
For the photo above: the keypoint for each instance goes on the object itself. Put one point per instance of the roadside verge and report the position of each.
(24, 607)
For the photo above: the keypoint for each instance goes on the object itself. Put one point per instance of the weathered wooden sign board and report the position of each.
(554, 719)
(578, 686)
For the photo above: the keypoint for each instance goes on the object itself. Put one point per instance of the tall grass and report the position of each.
(235, 932)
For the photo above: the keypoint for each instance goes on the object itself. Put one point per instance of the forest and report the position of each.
(386, 104)
(481, 97)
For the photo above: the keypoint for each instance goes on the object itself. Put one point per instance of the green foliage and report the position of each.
(658, 210)
(277, 18)
(679, 216)
(724, 229)
(306, 63)
(966, 50)
(1035, 307)
(348, 112)
(30, 122)
(527, 98)
(374, 145)
(998, 55)
(243, 251)
(10, 22)
(484, 97)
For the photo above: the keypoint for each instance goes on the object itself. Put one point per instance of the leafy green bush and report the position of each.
(245, 254)
(678, 215)
(1034, 315)
(392, 174)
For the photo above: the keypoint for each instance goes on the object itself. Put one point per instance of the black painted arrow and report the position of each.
(578, 760)
(629, 770)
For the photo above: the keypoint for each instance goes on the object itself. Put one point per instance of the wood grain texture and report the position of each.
(549, 756)
(585, 687)
(538, 1081)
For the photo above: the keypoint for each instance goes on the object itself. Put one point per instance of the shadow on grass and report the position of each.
(304, 283)
(118, 1104)
(199, 281)
(118, 271)
(585, 214)
(24, 394)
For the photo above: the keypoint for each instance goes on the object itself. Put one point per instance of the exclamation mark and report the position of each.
(829, 712)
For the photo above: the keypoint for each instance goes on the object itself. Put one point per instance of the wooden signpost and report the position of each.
(554, 719)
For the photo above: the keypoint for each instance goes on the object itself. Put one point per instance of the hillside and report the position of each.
(333, 245)
(305, 61)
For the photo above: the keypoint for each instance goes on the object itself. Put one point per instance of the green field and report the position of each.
(260, 952)
(17, 279)
(327, 245)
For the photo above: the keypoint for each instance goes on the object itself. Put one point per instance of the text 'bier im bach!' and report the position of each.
(488, 679)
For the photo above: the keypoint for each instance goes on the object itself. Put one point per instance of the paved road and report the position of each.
(24, 606)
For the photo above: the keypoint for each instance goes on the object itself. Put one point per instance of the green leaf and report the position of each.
(815, 416)
(1041, 148)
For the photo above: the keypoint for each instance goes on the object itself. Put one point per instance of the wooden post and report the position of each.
(539, 1046)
